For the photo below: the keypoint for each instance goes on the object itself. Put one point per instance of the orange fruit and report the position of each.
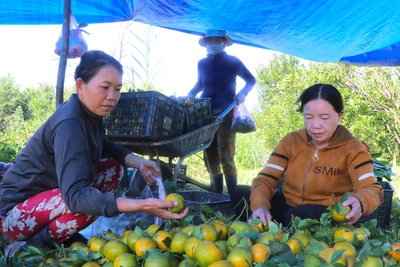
(387, 260)
(178, 242)
(350, 250)
(110, 235)
(108, 264)
(190, 246)
(295, 245)
(303, 238)
(312, 260)
(260, 252)
(221, 228)
(125, 233)
(207, 252)
(177, 198)
(240, 257)
(279, 235)
(361, 234)
(131, 240)
(144, 244)
(173, 258)
(97, 244)
(262, 227)
(91, 264)
(161, 239)
(77, 245)
(188, 229)
(126, 260)
(340, 217)
(254, 228)
(209, 232)
(91, 239)
(393, 253)
(326, 255)
(222, 263)
(371, 262)
(239, 226)
(157, 259)
(188, 262)
(266, 237)
(238, 240)
(114, 248)
(343, 234)
(152, 229)
(175, 230)
(223, 246)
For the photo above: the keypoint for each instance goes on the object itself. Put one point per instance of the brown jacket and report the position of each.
(315, 176)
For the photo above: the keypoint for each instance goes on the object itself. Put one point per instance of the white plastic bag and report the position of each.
(242, 121)
(161, 196)
(77, 44)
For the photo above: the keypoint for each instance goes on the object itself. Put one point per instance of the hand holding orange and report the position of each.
(177, 198)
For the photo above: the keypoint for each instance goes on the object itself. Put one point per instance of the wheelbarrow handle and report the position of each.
(228, 108)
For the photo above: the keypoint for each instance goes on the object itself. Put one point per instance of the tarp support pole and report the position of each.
(62, 66)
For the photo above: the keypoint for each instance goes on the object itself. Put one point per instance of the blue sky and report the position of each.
(28, 54)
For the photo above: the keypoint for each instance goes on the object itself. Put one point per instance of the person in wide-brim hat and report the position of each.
(216, 80)
(215, 33)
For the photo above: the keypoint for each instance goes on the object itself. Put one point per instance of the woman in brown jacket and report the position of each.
(320, 162)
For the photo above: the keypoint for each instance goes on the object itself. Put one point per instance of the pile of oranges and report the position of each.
(223, 242)
(220, 244)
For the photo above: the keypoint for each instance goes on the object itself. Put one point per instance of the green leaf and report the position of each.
(189, 218)
(376, 252)
(81, 254)
(285, 237)
(307, 223)
(197, 232)
(273, 227)
(337, 254)
(314, 248)
(285, 257)
(277, 247)
(344, 197)
(203, 218)
(207, 209)
(167, 241)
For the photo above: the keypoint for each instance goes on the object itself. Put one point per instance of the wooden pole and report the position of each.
(62, 66)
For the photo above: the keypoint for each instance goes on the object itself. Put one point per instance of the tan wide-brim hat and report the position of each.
(215, 33)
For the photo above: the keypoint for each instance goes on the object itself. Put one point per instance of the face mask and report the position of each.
(214, 49)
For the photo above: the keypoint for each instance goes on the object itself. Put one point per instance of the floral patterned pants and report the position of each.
(48, 209)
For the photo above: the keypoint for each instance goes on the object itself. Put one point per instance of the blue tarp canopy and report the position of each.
(361, 32)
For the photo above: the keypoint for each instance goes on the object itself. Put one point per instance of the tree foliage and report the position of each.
(21, 113)
(371, 109)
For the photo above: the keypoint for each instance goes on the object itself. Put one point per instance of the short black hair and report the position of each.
(92, 62)
(326, 92)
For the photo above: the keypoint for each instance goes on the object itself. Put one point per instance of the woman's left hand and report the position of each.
(162, 208)
(152, 206)
(355, 211)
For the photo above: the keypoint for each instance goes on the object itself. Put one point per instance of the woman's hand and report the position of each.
(162, 208)
(148, 168)
(355, 211)
(264, 215)
(149, 171)
(151, 206)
